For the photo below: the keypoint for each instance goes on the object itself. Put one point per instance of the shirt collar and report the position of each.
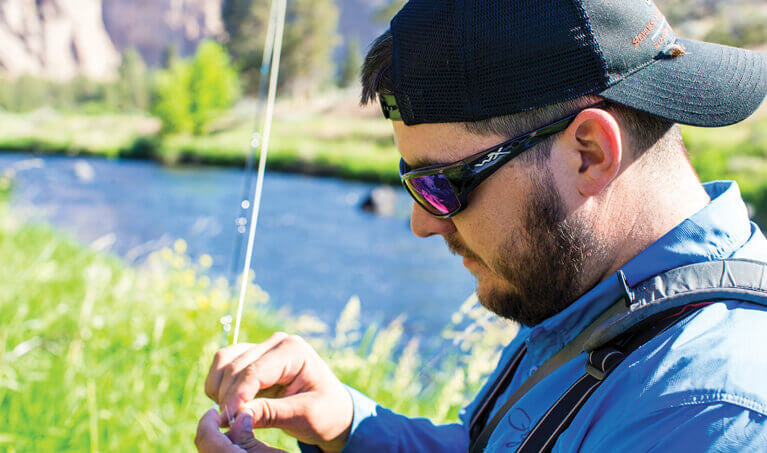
(714, 232)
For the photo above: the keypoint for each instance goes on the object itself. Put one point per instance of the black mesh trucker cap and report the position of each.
(467, 60)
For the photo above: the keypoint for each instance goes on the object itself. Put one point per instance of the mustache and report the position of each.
(457, 247)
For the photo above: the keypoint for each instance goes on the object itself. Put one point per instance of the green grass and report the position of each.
(347, 143)
(342, 144)
(99, 356)
(736, 152)
(355, 148)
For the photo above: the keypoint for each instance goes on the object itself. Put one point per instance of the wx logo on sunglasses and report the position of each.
(492, 156)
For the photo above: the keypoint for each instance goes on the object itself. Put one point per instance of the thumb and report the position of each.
(242, 435)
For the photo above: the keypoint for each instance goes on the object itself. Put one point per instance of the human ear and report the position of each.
(595, 140)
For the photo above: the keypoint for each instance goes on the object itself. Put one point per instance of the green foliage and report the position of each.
(739, 32)
(213, 84)
(171, 102)
(246, 23)
(738, 153)
(309, 38)
(737, 23)
(28, 93)
(170, 55)
(133, 83)
(385, 13)
(189, 94)
(350, 71)
(96, 355)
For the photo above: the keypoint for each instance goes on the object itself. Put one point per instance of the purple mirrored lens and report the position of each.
(436, 192)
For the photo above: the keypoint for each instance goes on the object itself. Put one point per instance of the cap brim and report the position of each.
(710, 85)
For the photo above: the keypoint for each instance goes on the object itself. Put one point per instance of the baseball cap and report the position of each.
(470, 60)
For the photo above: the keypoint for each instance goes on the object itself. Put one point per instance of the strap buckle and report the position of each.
(603, 361)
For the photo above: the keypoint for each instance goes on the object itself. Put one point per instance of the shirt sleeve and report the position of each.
(377, 429)
(715, 427)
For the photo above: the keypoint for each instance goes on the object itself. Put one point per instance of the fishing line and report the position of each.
(267, 127)
(247, 182)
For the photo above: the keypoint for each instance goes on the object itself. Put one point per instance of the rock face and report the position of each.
(56, 39)
(151, 26)
(59, 39)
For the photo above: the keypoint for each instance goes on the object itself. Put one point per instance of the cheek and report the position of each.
(489, 228)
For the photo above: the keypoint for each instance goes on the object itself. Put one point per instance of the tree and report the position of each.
(31, 93)
(245, 22)
(132, 82)
(171, 101)
(7, 101)
(170, 55)
(350, 71)
(309, 39)
(191, 93)
(213, 84)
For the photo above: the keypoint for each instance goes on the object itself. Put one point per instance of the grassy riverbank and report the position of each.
(344, 141)
(97, 355)
(332, 137)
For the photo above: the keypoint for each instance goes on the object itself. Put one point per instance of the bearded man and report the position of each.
(541, 141)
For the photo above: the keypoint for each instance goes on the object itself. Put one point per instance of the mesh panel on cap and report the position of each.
(517, 55)
(427, 66)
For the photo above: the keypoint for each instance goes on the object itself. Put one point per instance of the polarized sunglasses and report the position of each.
(442, 190)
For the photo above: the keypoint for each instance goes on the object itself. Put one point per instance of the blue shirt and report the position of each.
(699, 386)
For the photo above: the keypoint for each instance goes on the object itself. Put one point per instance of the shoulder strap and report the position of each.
(479, 432)
(681, 290)
(664, 300)
(599, 365)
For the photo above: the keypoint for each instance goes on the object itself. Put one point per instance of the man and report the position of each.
(595, 195)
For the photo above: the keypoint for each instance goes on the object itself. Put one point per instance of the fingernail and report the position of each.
(247, 422)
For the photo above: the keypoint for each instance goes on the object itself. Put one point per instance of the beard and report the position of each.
(546, 266)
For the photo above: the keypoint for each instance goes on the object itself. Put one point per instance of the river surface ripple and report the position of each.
(314, 249)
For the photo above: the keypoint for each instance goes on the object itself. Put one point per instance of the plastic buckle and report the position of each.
(603, 361)
(626, 290)
(389, 107)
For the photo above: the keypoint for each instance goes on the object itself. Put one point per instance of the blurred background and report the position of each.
(124, 140)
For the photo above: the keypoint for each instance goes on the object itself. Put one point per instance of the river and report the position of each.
(314, 249)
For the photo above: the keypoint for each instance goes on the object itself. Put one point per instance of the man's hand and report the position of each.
(294, 390)
(211, 440)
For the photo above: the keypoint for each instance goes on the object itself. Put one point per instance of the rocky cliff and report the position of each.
(59, 39)
(151, 26)
(55, 39)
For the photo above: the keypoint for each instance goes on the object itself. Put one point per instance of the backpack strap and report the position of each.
(479, 419)
(657, 304)
(479, 431)
(735, 279)
(599, 365)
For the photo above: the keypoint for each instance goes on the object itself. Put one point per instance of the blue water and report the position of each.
(314, 247)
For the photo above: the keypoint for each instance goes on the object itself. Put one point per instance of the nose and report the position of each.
(424, 224)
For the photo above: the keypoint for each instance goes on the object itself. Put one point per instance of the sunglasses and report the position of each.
(442, 190)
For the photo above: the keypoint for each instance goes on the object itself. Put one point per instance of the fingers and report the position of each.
(242, 361)
(280, 365)
(278, 413)
(231, 360)
(209, 438)
(221, 359)
(242, 435)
